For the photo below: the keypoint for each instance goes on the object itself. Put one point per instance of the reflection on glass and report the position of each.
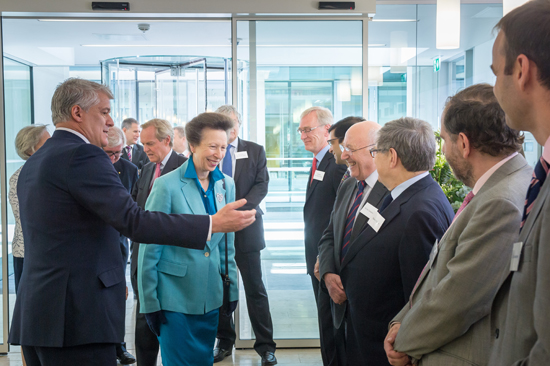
(286, 67)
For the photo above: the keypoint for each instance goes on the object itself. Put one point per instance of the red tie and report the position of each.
(129, 152)
(157, 174)
(313, 169)
(467, 200)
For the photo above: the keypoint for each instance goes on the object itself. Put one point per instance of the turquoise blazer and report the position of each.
(185, 280)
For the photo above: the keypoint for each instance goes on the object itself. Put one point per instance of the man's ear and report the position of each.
(523, 69)
(463, 144)
(77, 113)
(394, 159)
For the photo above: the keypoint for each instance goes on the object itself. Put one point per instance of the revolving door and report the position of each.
(174, 88)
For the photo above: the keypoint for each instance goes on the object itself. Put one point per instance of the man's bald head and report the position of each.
(359, 139)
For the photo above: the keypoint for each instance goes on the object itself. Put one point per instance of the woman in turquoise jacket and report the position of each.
(181, 290)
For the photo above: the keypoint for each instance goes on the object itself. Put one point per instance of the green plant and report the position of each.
(454, 189)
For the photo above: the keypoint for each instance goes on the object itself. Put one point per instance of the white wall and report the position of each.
(483, 56)
(46, 80)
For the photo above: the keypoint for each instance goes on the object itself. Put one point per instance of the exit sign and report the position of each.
(437, 65)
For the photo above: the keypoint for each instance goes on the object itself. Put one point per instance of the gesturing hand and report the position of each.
(228, 219)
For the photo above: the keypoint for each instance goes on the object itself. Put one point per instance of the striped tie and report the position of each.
(351, 218)
(539, 175)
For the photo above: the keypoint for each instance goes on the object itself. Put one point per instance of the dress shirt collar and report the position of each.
(372, 179)
(485, 177)
(191, 172)
(165, 160)
(546, 151)
(73, 132)
(235, 143)
(396, 192)
(321, 154)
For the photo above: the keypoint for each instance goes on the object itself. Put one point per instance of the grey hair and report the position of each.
(163, 129)
(324, 115)
(412, 139)
(27, 139)
(128, 122)
(229, 110)
(180, 130)
(75, 91)
(115, 137)
(211, 120)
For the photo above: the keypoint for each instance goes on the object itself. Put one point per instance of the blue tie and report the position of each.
(539, 176)
(385, 203)
(227, 166)
(351, 218)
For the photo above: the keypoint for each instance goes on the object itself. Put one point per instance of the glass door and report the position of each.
(285, 67)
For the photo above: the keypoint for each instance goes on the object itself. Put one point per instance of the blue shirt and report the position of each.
(396, 192)
(321, 154)
(207, 197)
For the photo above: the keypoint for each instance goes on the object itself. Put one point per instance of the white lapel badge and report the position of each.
(219, 196)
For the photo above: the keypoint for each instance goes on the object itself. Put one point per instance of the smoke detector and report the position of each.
(144, 27)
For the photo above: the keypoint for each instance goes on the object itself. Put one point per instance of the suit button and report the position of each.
(207, 254)
(497, 333)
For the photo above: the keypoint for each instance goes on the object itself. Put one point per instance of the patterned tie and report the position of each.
(351, 218)
(539, 176)
(313, 169)
(467, 200)
(346, 175)
(227, 165)
(129, 152)
(157, 174)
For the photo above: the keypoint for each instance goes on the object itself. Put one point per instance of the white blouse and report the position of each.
(17, 242)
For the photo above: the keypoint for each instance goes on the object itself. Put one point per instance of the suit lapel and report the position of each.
(340, 216)
(191, 193)
(171, 164)
(322, 167)
(375, 197)
(539, 202)
(239, 163)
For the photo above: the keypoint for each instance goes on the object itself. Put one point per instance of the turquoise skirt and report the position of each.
(188, 340)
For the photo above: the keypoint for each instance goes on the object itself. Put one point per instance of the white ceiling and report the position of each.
(279, 42)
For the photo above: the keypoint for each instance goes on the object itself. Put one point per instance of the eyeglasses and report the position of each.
(350, 151)
(373, 152)
(330, 141)
(113, 153)
(306, 130)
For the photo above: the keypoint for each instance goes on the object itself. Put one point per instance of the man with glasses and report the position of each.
(346, 222)
(322, 184)
(337, 132)
(128, 174)
(381, 266)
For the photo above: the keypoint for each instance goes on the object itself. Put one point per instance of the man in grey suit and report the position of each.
(358, 138)
(447, 320)
(521, 63)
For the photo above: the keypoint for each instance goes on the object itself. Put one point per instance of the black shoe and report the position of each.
(221, 353)
(124, 357)
(269, 359)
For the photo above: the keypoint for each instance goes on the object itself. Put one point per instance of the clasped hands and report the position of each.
(395, 358)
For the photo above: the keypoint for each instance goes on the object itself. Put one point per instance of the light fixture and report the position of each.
(509, 5)
(447, 29)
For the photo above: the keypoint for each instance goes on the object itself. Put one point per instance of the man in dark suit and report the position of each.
(128, 174)
(157, 136)
(521, 65)
(324, 178)
(346, 222)
(245, 161)
(133, 151)
(382, 264)
(71, 299)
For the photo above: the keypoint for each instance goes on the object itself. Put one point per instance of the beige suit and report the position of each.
(449, 323)
(521, 310)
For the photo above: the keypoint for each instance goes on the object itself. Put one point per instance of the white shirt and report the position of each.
(370, 182)
(74, 132)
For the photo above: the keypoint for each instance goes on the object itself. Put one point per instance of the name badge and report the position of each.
(376, 221)
(241, 155)
(369, 210)
(319, 175)
(433, 254)
(516, 255)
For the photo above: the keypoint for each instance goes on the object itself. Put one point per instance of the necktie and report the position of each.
(539, 176)
(467, 200)
(346, 175)
(313, 169)
(155, 176)
(386, 203)
(227, 165)
(351, 218)
(129, 152)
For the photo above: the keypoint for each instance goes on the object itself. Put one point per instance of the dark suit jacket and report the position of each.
(320, 196)
(73, 207)
(330, 246)
(139, 157)
(251, 181)
(140, 192)
(128, 174)
(380, 269)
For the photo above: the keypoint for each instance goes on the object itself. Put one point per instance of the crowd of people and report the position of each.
(398, 277)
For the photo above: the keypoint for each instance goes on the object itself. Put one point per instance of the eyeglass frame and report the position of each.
(307, 132)
(113, 153)
(373, 152)
(350, 151)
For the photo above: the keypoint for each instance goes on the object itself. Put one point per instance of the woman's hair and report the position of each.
(27, 139)
(211, 120)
